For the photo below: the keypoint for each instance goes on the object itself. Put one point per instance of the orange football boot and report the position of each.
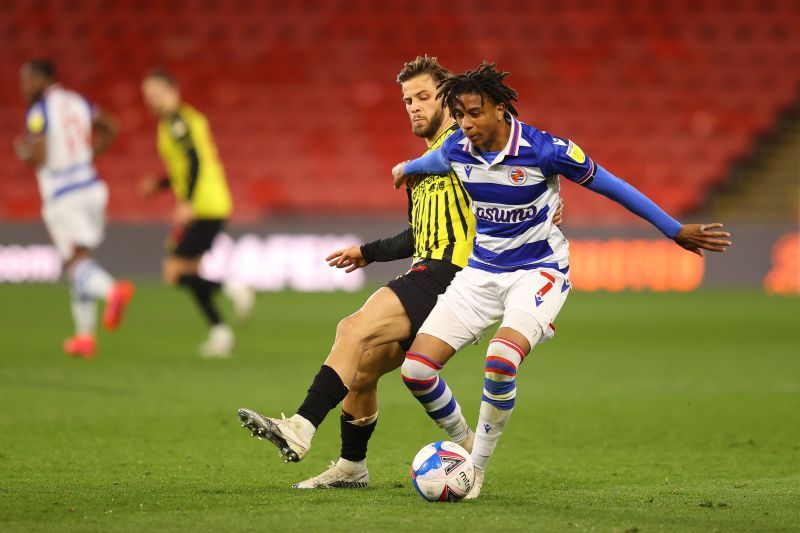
(81, 345)
(118, 299)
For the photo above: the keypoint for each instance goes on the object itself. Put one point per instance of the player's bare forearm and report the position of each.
(699, 237)
(104, 131)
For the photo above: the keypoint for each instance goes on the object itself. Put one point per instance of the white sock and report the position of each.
(352, 467)
(304, 426)
(491, 423)
(91, 280)
(84, 314)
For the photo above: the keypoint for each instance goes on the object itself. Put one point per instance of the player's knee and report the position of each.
(503, 358)
(419, 372)
(78, 254)
(354, 327)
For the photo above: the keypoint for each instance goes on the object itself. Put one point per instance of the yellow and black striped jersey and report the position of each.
(190, 155)
(440, 214)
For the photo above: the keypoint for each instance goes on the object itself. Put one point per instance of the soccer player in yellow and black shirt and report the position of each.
(203, 202)
(373, 341)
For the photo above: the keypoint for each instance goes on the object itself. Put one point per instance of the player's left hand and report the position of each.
(699, 237)
(183, 213)
(398, 172)
(350, 258)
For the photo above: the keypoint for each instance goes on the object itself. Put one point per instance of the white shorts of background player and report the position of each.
(77, 218)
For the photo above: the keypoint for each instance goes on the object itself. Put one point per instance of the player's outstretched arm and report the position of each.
(433, 162)
(693, 237)
(400, 246)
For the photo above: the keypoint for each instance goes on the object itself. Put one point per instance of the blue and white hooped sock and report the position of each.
(503, 357)
(90, 279)
(84, 313)
(421, 376)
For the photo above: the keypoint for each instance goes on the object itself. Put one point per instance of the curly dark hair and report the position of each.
(43, 67)
(484, 80)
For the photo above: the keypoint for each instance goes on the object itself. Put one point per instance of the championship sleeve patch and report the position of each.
(35, 121)
(575, 153)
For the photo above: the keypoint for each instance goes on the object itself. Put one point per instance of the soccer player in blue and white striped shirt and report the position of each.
(519, 268)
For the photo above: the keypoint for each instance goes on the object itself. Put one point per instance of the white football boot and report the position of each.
(476, 488)
(242, 297)
(292, 436)
(467, 442)
(219, 343)
(342, 475)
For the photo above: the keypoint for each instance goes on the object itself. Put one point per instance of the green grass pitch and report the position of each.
(648, 412)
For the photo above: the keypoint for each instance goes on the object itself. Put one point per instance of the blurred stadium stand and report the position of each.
(308, 118)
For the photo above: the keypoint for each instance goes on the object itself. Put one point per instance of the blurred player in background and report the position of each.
(373, 341)
(65, 132)
(518, 271)
(203, 203)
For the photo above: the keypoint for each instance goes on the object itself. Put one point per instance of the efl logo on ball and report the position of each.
(517, 175)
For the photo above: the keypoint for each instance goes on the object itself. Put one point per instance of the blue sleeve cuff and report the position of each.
(622, 192)
(430, 163)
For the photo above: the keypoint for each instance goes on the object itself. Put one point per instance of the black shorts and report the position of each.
(195, 239)
(418, 290)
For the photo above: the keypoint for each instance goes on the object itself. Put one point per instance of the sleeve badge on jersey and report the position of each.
(179, 128)
(575, 153)
(35, 121)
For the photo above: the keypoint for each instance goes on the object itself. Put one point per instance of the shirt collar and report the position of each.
(515, 140)
(50, 88)
(436, 144)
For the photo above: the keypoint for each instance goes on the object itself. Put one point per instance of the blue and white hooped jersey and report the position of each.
(65, 119)
(515, 195)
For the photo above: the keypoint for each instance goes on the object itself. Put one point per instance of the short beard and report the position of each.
(433, 127)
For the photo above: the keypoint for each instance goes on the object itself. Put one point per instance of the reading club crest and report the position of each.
(517, 175)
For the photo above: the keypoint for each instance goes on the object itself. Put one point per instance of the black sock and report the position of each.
(355, 438)
(325, 393)
(203, 292)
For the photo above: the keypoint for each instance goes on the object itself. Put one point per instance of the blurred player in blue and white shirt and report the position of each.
(64, 132)
(519, 268)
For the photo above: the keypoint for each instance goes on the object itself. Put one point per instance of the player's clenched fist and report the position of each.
(699, 237)
(350, 258)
